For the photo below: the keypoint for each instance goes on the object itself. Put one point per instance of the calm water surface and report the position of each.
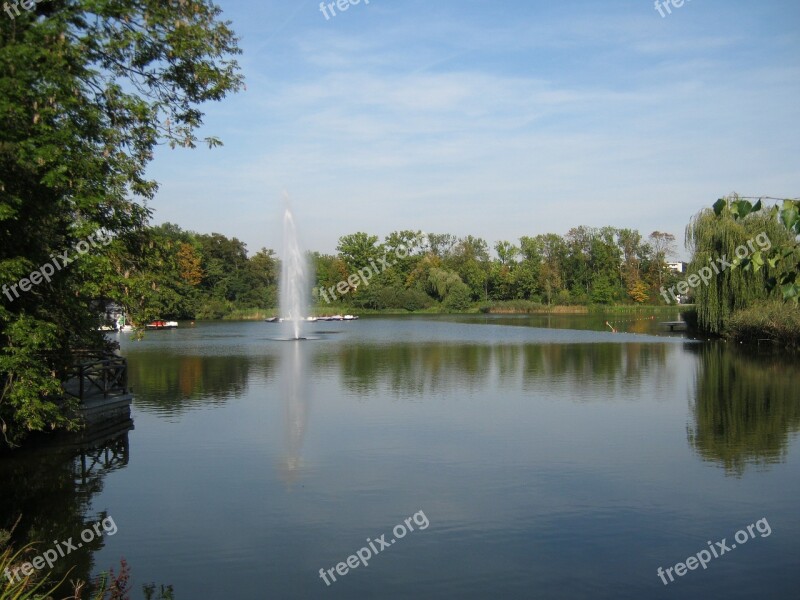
(550, 458)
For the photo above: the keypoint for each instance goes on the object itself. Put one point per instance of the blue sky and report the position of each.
(496, 119)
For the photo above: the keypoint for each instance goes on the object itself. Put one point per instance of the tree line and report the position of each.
(587, 265)
(187, 275)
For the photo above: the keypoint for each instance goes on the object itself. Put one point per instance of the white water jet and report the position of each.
(294, 285)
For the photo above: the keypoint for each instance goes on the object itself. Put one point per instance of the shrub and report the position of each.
(458, 297)
(213, 309)
(771, 319)
(414, 299)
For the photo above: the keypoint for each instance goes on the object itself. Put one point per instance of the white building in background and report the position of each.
(678, 267)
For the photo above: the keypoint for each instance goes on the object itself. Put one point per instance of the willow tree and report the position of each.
(784, 257)
(723, 242)
(88, 88)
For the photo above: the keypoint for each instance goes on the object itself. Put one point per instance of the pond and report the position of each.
(444, 457)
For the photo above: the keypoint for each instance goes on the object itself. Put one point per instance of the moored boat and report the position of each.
(158, 324)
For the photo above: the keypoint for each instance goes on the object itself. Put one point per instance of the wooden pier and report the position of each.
(100, 383)
(681, 325)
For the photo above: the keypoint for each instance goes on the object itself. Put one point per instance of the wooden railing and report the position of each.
(107, 375)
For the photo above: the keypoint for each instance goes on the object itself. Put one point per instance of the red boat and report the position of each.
(162, 325)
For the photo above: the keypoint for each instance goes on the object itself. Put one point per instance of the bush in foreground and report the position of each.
(772, 319)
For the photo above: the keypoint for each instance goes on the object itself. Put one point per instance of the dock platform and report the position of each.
(100, 383)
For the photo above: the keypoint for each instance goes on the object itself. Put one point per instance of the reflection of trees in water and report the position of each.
(597, 366)
(416, 369)
(52, 490)
(408, 368)
(745, 407)
(174, 383)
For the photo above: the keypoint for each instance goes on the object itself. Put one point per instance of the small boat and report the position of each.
(162, 325)
(281, 319)
(338, 318)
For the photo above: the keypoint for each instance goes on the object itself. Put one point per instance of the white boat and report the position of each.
(338, 318)
(281, 319)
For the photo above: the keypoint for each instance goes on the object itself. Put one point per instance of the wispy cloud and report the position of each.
(499, 126)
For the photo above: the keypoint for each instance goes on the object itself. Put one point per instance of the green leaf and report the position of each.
(719, 206)
(741, 208)
(789, 217)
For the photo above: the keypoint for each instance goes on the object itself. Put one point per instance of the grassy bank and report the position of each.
(533, 308)
(525, 307)
(774, 320)
(251, 314)
(259, 314)
(512, 307)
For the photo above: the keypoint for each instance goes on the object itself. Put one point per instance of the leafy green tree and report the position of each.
(507, 252)
(630, 243)
(577, 262)
(470, 259)
(420, 277)
(502, 283)
(358, 249)
(526, 272)
(663, 247)
(87, 89)
(553, 251)
(262, 278)
(225, 265)
(329, 271)
(405, 249)
(605, 256)
(441, 244)
(602, 290)
(715, 235)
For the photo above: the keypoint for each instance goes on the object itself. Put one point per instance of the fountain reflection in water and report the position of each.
(296, 400)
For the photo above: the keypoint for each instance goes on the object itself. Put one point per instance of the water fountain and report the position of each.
(294, 283)
(294, 294)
